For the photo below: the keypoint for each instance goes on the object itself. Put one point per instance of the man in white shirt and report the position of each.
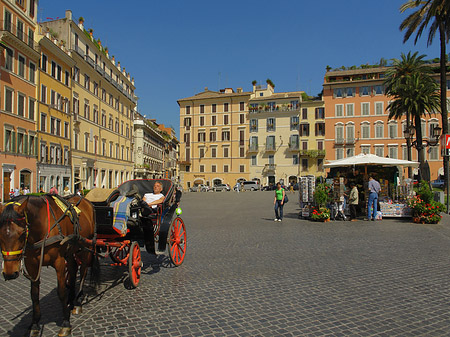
(155, 198)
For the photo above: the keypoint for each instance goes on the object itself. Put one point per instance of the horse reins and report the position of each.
(17, 253)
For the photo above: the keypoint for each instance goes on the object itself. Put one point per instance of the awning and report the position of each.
(370, 159)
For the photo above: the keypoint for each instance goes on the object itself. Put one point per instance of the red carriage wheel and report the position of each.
(177, 241)
(134, 264)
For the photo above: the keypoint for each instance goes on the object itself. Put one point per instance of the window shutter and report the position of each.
(36, 148)
(13, 143)
(25, 144)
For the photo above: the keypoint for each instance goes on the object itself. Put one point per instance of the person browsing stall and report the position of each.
(374, 189)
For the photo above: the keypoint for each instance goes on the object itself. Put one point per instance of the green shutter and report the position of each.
(13, 143)
(25, 144)
(36, 147)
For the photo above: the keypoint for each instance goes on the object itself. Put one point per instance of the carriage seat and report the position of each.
(102, 196)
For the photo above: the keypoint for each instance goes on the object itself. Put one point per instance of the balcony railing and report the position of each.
(108, 77)
(278, 108)
(90, 61)
(339, 141)
(253, 148)
(270, 147)
(100, 69)
(312, 153)
(350, 141)
(20, 34)
(79, 51)
(270, 167)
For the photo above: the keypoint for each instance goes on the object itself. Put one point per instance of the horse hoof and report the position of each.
(65, 331)
(77, 310)
(35, 333)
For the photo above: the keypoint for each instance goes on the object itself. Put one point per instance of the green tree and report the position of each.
(436, 15)
(414, 93)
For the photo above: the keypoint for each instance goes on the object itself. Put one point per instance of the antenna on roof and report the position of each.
(218, 80)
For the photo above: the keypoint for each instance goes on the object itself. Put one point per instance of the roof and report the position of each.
(279, 95)
(214, 94)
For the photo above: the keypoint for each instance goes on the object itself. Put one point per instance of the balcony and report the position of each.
(312, 153)
(79, 51)
(10, 33)
(339, 141)
(253, 148)
(108, 77)
(89, 60)
(350, 141)
(271, 148)
(100, 69)
(277, 108)
(270, 167)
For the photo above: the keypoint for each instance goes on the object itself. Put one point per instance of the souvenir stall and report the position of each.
(395, 189)
(306, 194)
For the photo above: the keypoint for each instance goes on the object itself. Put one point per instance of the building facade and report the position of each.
(103, 104)
(357, 121)
(18, 65)
(214, 138)
(282, 144)
(54, 118)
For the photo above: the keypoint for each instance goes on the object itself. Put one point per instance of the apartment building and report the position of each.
(282, 144)
(150, 145)
(170, 153)
(18, 65)
(357, 120)
(54, 119)
(103, 104)
(214, 137)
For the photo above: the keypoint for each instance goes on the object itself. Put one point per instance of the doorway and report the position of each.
(6, 185)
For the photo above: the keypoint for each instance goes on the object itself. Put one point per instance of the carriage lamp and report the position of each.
(178, 211)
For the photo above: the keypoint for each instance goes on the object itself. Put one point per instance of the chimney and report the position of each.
(69, 14)
(239, 90)
(206, 88)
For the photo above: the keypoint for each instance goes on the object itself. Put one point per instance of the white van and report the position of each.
(251, 185)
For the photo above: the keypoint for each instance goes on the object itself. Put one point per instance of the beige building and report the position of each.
(103, 105)
(283, 144)
(214, 138)
(54, 119)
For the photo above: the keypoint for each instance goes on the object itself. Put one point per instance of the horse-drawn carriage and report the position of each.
(70, 234)
(123, 225)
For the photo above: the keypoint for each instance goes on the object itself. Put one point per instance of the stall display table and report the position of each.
(399, 210)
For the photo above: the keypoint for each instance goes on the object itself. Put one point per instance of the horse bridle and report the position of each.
(17, 253)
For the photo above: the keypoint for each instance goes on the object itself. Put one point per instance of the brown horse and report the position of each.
(35, 230)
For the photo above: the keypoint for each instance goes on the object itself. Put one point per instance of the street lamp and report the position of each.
(409, 134)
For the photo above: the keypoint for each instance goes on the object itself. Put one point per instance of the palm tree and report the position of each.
(414, 93)
(436, 14)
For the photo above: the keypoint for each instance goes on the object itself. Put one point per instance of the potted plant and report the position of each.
(423, 208)
(321, 214)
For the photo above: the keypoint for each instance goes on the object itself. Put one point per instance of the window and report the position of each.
(365, 130)
(76, 74)
(294, 123)
(213, 152)
(404, 152)
(304, 130)
(294, 142)
(31, 104)
(434, 152)
(337, 93)
(66, 79)
(87, 112)
(226, 135)
(349, 109)
(320, 145)
(212, 136)
(225, 107)
(7, 22)
(86, 142)
(393, 152)
(43, 122)
(364, 91)
(43, 94)
(87, 82)
(320, 113)
(320, 164)
(201, 152)
(214, 108)
(339, 153)
(379, 132)
(58, 73)
(365, 109)
(201, 136)
(52, 125)
(9, 93)
(304, 145)
(241, 119)
(378, 90)
(21, 105)
(253, 125)
(270, 143)
(350, 130)
(202, 108)
(20, 28)
(392, 131)
(339, 132)
(8, 140)
(254, 160)
(32, 73)
(365, 149)
(53, 70)
(187, 109)
(241, 106)
(96, 116)
(21, 70)
(241, 168)
(379, 150)
(9, 57)
(320, 129)
(304, 113)
(271, 124)
(304, 164)
(225, 119)
(241, 152)
(95, 88)
(76, 106)
(66, 130)
(202, 120)
(378, 108)
(339, 110)
(213, 120)
(295, 159)
(350, 92)
(213, 168)
(225, 168)
(225, 152)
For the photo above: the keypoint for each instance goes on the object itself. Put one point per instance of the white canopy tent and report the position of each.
(370, 159)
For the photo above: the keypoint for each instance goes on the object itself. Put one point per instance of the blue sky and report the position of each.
(176, 48)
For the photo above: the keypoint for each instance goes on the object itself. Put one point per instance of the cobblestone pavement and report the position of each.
(246, 275)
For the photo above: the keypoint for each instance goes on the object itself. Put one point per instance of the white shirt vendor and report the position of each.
(150, 198)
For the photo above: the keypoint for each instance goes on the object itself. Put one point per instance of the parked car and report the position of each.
(268, 188)
(439, 183)
(252, 185)
(222, 187)
(199, 188)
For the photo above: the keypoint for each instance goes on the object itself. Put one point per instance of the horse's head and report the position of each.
(13, 237)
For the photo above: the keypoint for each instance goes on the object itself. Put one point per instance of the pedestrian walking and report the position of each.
(238, 186)
(374, 189)
(278, 202)
(353, 200)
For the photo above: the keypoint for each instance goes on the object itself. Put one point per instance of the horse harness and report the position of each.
(70, 211)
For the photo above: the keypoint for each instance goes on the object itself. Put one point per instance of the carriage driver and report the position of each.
(155, 198)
